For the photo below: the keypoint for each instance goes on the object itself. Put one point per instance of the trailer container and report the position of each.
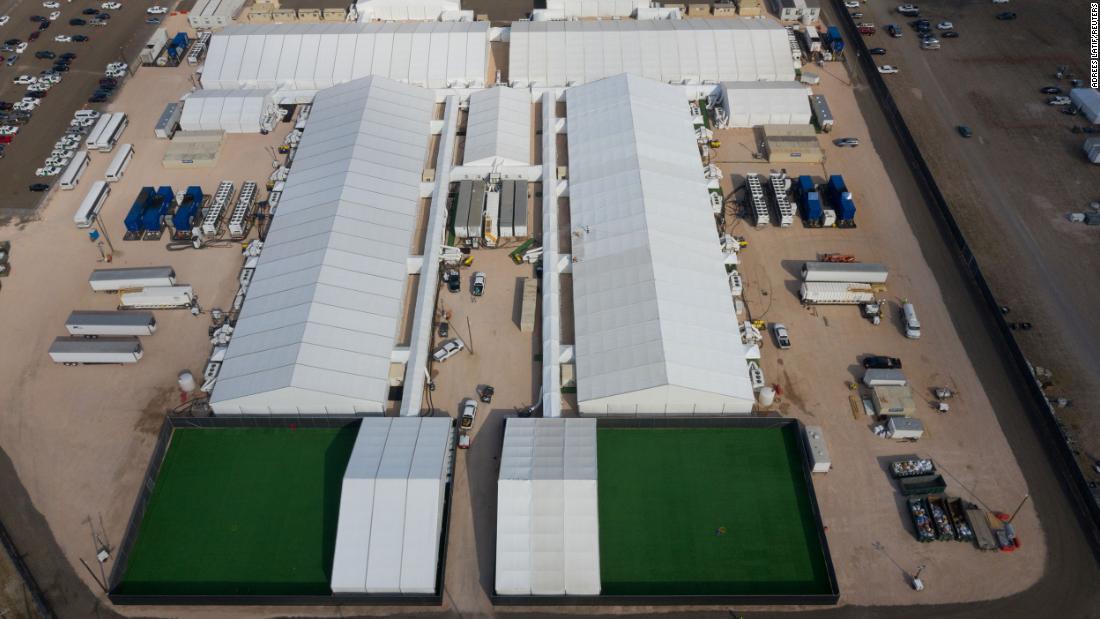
(111, 323)
(507, 201)
(154, 297)
(820, 462)
(132, 278)
(858, 272)
(836, 293)
(477, 210)
(462, 209)
(80, 350)
(881, 378)
(134, 218)
(152, 219)
(904, 428)
(519, 210)
(154, 46)
(169, 121)
(822, 114)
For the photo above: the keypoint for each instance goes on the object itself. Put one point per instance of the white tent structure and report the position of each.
(1088, 101)
(548, 540)
(687, 51)
(391, 507)
(595, 8)
(310, 57)
(749, 104)
(498, 131)
(232, 111)
(654, 323)
(404, 10)
(317, 330)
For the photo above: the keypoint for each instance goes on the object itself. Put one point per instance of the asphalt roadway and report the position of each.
(1068, 588)
(123, 37)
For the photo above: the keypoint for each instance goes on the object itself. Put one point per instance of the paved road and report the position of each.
(124, 36)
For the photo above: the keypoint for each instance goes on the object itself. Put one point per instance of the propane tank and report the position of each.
(766, 396)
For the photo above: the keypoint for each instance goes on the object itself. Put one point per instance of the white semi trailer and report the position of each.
(111, 323)
(84, 351)
(844, 272)
(836, 293)
(114, 280)
(158, 297)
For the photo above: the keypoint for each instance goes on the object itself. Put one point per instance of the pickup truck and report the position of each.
(466, 423)
(448, 350)
(866, 28)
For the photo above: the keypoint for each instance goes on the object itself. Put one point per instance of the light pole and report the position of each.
(103, 232)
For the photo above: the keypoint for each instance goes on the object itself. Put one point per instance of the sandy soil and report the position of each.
(15, 599)
(1011, 185)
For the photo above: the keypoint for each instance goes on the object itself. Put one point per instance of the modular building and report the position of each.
(169, 121)
(154, 46)
(647, 266)
(749, 104)
(113, 280)
(571, 9)
(797, 10)
(899, 428)
(231, 111)
(882, 377)
(207, 14)
(822, 114)
(111, 323)
(894, 401)
(81, 350)
(859, 272)
(792, 144)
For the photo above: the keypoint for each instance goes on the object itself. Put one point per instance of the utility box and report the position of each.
(820, 462)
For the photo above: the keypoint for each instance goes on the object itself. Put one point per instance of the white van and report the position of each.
(909, 319)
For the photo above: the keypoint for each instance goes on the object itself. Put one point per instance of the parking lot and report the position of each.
(1011, 185)
(123, 37)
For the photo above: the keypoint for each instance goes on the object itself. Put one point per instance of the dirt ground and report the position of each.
(1012, 184)
(124, 35)
(15, 599)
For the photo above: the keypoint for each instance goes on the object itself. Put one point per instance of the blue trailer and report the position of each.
(156, 211)
(809, 201)
(187, 215)
(134, 220)
(833, 39)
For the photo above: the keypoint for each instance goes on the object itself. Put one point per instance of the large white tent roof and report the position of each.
(563, 53)
(316, 56)
(654, 323)
(749, 104)
(596, 8)
(232, 111)
(391, 506)
(499, 127)
(317, 329)
(548, 509)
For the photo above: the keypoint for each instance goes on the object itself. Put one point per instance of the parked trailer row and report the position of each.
(858, 272)
(85, 323)
(79, 350)
(132, 278)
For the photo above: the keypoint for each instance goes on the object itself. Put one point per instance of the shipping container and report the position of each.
(80, 350)
(462, 209)
(133, 219)
(153, 297)
(111, 323)
(836, 293)
(154, 46)
(186, 216)
(858, 272)
(169, 121)
(114, 280)
(519, 211)
(507, 208)
(899, 428)
(835, 41)
(477, 210)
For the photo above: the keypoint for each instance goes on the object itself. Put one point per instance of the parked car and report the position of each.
(945, 25)
(63, 38)
(4, 19)
(449, 349)
(39, 187)
(80, 38)
(1059, 100)
(55, 15)
(894, 30)
(107, 81)
(38, 18)
(156, 10)
(44, 25)
(964, 131)
(887, 69)
(477, 288)
(152, 20)
(951, 34)
(846, 142)
(111, 6)
(877, 51)
(881, 362)
(77, 22)
(1050, 90)
(89, 11)
(851, 4)
(51, 4)
(68, 56)
(47, 54)
(444, 329)
(909, 9)
(1007, 15)
(467, 414)
(454, 282)
(23, 80)
(782, 338)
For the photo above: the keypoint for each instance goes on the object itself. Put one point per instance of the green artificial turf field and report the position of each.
(706, 511)
(242, 511)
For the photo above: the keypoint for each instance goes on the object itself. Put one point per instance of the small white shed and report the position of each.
(820, 461)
